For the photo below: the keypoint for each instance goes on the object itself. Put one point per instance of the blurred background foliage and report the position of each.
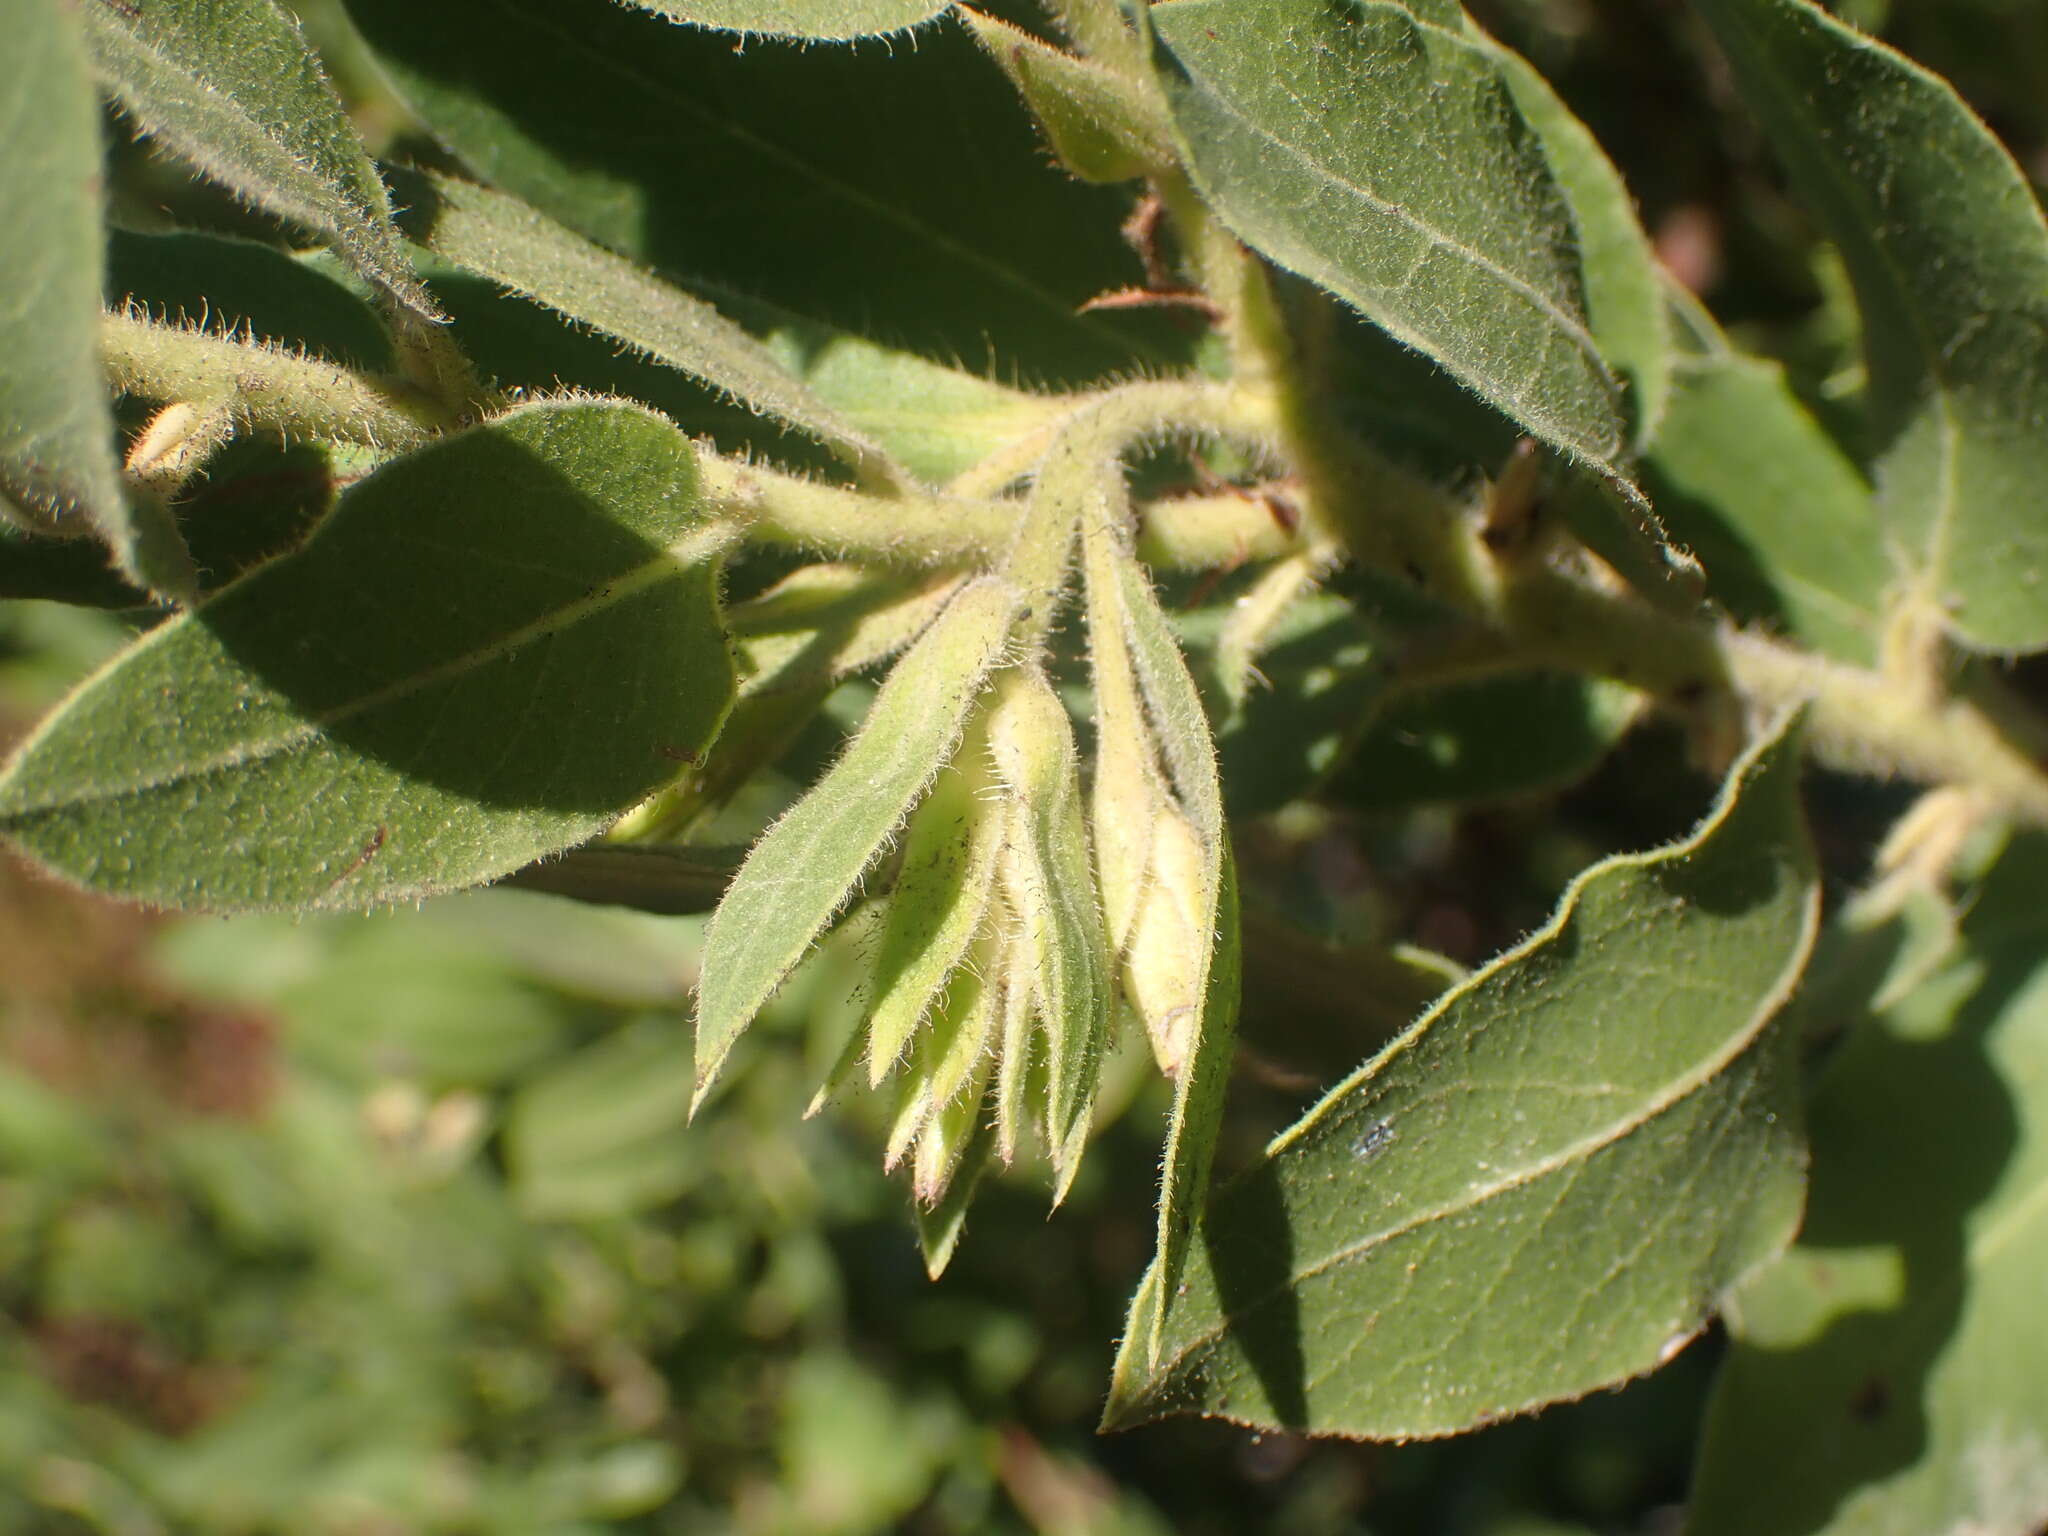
(395, 1224)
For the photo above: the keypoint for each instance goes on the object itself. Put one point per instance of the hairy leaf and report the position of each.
(884, 190)
(233, 87)
(1130, 799)
(941, 892)
(1782, 520)
(939, 1227)
(824, 20)
(938, 421)
(801, 873)
(1383, 157)
(1948, 254)
(1889, 1375)
(798, 641)
(1100, 123)
(259, 499)
(956, 1058)
(1544, 1186)
(1048, 878)
(58, 474)
(492, 648)
(1130, 637)
(1014, 1050)
(1626, 309)
(500, 237)
(57, 469)
(822, 622)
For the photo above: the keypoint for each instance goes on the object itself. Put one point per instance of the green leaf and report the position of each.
(500, 237)
(938, 421)
(821, 20)
(1598, 1125)
(1947, 252)
(943, 229)
(492, 648)
(1101, 123)
(798, 641)
(1191, 1134)
(1049, 879)
(1172, 703)
(939, 1227)
(1489, 739)
(949, 856)
(1383, 157)
(1129, 637)
(233, 87)
(934, 420)
(949, 1089)
(1399, 400)
(1785, 525)
(1190, 758)
(1614, 520)
(58, 474)
(1626, 308)
(56, 436)
(800, 874)
(1890, 1374)
(259, 499)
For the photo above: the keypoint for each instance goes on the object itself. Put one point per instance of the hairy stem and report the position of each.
(262, 386)
(1863, 722)
(1382, 514)
(916, 530)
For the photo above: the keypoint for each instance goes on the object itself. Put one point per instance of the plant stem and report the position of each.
(1863, 722)
(263, 386)
(432, 363)
(672, 881)
(915, 530)
(1384, 515)
(1219, 529)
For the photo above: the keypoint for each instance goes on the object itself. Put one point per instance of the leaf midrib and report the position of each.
(1579, 336)
(675, 560)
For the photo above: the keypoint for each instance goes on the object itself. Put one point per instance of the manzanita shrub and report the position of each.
(1301, 405)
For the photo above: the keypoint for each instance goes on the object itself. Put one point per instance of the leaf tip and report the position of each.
(702, 1091)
